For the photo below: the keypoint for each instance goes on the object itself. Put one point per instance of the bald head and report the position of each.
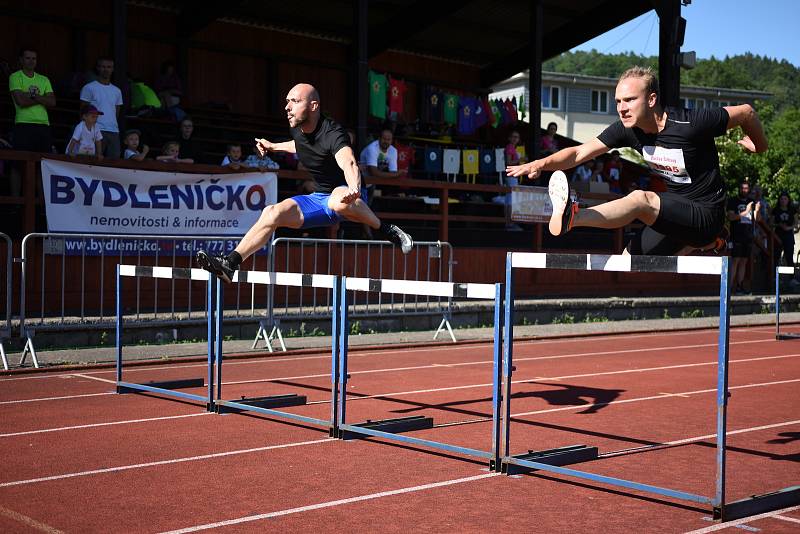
(302, 106)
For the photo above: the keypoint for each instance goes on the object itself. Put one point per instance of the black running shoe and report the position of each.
(399, 238)
(218, 265)
(564, 207)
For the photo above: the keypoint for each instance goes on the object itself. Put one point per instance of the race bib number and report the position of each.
(667, 163)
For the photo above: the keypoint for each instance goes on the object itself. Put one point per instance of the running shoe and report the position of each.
(564, 206)
(217, 265)
(399, 238)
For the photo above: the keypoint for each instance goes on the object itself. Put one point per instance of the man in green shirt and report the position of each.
(32, 95)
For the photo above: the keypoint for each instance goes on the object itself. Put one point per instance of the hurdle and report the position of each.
(267, 405)
(391, 428)
(168, 387)
(552, 460)
(778, 272)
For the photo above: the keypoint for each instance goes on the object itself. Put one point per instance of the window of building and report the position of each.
(684, 103)
(551, 97)
(599, 101)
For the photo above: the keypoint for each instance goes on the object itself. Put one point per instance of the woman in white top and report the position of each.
(86, 139)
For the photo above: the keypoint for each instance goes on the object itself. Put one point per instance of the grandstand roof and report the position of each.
(493, 35)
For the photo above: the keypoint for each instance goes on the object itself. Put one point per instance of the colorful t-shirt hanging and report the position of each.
(405, 157)
(397, 91)
(466, 115)
(497, 117)
(450, 108)
(377, 95)
(434, 103)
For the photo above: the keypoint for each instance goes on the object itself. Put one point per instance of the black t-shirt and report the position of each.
(783, 216)
(189, 149)
(683, 153)
(317, 152)
(742, 229)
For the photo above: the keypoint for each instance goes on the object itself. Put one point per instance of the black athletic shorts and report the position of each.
(681, 222)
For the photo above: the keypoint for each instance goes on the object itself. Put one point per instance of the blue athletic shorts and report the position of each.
(315, 210)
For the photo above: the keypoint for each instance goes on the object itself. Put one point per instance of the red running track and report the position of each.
(79, 458)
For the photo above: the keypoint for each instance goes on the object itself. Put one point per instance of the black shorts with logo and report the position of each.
(681, 222)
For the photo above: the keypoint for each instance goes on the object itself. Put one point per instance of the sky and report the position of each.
(716, 27)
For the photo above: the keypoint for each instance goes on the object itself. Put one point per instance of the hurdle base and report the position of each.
(780, 337)
(758, 504)
(272, 401)
(167, 384)
(571, 454)
(393, 426)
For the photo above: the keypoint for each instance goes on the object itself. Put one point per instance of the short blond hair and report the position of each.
(644, 73)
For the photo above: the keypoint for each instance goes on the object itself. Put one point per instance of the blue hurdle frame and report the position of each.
(574, 261)
(778, 272)
(492, 455)
(247, 276)
(178, 273)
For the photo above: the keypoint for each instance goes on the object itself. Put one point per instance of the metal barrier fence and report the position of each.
(5, 313)
(67, 282)
(430, 261)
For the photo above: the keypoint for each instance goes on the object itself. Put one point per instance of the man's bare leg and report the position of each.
(358, 211)
(641, 205)
(285, 214)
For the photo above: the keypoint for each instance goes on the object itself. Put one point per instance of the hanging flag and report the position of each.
(397, 91)
(481, 114)
(433, 105)
(433, 160)
(487, 161)
(450, 160)
(499, 160)
(405, 157)
(377, 95)
(466, 115)
(497, 117)
(450, 108)
(470, 161)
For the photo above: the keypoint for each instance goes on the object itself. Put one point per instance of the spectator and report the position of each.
(548, 143)
(107, 98)
(170, 153)
(597, 171)
(380, 157)
(189, 150)
(233, 158)
(583, 172)
(511, 153)
(32, 95)
(170, 89)
(132, 148)
(740, 213)
(784, 218)
(86, 138)
(613, 172)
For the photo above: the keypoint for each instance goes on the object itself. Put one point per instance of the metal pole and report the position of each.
(335, 357)
(508, 345)
(210, 327)
(497, 368)
(777, 302)
(343, 331)
(119, 326)
(722, 380)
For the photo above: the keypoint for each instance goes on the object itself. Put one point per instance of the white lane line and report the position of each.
(784, 518)
(330, 504)
(729, 524)
(552, 379)
(164, 462)
(452, 388)
(516, 360)
(255, 361)
(96, 425)
(106, 380)
(28, 521)
(57, 398)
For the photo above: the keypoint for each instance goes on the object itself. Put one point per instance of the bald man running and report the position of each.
(324, 149)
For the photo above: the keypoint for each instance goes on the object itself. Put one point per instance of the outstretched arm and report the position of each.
(745, 116)
(563, 159)
(263, 146)
(347, 162)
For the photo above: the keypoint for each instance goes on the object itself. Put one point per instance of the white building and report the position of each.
(583, 106)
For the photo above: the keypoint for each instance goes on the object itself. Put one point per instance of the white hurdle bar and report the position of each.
(323, 281)
(786, 270)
